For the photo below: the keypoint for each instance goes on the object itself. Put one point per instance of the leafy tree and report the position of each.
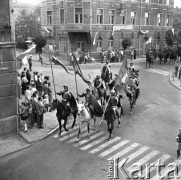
(40, 42)
(127, 42)
(26, 25)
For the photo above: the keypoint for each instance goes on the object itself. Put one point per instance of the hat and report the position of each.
(131, 63)
(88, 89)
(98, 77)
(65, 85)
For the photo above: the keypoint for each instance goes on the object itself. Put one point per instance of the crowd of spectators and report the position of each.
(35, 92)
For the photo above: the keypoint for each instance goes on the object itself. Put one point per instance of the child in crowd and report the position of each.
(24, 114)
(46, 102)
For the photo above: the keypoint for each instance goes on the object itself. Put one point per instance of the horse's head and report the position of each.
(54, 104)
(81, 107)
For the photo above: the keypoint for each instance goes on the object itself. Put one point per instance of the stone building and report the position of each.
(74, 24)
(8, 70)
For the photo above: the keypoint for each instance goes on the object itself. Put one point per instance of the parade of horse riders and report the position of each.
(102, 98)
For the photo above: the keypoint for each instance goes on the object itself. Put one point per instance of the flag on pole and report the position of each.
(149, 40)
(142, 32)
(122, 76)
(94, 42)
(47, 29)
(79, 72)
(56, 61)
(22, 58)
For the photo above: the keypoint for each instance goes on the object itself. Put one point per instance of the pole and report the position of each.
(139, 44)
(105, 109)
(75, 76)
(52, 75)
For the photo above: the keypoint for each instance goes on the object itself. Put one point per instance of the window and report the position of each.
(99, 45)
(123, 17)
(49, 17)
(80, 45)
(111, 16)
(78, 15)
(147, 18)
(167, 23)
(159, 19)
(133, 18)
(111, 44)
(160, 2)
(147, 1)
(99, 16)
(62, 18)
(167, 2)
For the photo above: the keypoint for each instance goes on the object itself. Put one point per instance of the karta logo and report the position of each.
(141, 171)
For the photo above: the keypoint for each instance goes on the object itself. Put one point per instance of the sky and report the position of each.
(176, 2)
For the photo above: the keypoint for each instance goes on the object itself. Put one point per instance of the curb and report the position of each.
(49, 133)
(22, 148)
(170, 80)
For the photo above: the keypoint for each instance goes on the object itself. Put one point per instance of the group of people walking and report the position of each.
(37, 93)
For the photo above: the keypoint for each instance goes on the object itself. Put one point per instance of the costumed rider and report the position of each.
(105, 72)
(66, 97)
(88, 100)
(97, 83)
(114, 104)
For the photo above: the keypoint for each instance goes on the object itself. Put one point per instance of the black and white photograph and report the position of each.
(90, 89)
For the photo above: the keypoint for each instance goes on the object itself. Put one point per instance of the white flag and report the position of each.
(149, 40)
(46, 29)
(25, 60)
(124, 79)
(94, 42)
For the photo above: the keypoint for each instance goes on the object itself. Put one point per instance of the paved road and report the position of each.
(146, 136)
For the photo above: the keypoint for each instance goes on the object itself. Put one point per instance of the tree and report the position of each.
(26, 25)
(40, 43)
(127, 42)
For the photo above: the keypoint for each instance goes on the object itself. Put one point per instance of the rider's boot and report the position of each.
(119, 122)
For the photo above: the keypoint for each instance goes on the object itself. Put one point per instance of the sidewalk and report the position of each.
(176, 82)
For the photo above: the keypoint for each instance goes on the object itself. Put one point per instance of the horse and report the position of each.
(149, 59)
(110, 119)
(62, 114)
(84, 117)
(100, 94)
(173, 56)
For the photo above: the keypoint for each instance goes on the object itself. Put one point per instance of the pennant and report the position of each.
(58, 62)
(94, 42)
(142, 32)
(149, 40)
(122, 76)
(25, 60)
(47, 29)
(79, 72)
(22, 57)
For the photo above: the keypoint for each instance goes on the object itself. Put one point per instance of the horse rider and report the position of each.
(106, 71)
(114, 104)
(97, 84)
(88, 100)
(66, 97)
(178, 139)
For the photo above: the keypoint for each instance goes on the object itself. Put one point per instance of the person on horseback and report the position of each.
(105, 72)
(88, 101)
(98, 85)
(66, 97)
(114, 104)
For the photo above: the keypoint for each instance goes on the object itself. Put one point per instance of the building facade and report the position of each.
(97, 25)
(8, 70)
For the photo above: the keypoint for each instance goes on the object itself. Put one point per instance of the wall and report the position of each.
(8, 76)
